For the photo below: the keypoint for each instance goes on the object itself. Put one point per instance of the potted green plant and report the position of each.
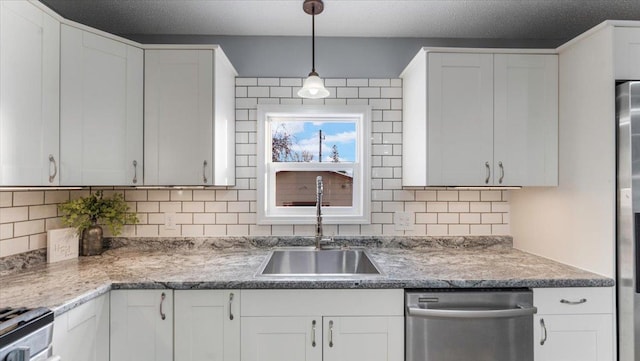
(85, 214)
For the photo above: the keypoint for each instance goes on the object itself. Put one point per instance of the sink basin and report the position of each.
(312, 262)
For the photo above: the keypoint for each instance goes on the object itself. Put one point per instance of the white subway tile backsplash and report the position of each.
(6, 230)
(28, 198)
(437, 230)
(258, 92)
(447, 196)
(448, 218)
(24, 215)
(146, 230)
(204, 195)
(192, 207)
(147, 207)
(6, 199)
(28, 227)
(37, 241)
(42, 212)
(491, 218)
(170, 207)
(13, 246)
(135, 195)
(437, 207)
(14, 214)
(369, 92)
(459, 207)
(246, 81)
(459, 229)
(297, 82)
(380, 82)
(268, 81)
(357, 82)
(489, 196)
(193, 230)
(479, 207)
(181, 195)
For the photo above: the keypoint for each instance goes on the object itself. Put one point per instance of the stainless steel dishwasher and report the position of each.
(468, 324)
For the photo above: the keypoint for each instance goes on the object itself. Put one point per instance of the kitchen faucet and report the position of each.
(319, 190)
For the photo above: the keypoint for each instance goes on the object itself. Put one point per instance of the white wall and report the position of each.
(575, 222)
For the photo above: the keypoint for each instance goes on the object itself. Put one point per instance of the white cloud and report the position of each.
(291, 128)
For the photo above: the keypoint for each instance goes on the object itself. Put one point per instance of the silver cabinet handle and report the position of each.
(135, 171)
(162, 297)
(543, 337)
(204, 171)
(52, 160)
(313, 333)
(230, 306)
(444, 313)
(578, 302)
(501, 172)
(486, 164)
(330, 333)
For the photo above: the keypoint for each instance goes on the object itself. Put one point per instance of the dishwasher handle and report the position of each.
(445, 313)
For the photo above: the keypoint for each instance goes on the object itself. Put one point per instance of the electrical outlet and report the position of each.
(169, 221)
(403, 221)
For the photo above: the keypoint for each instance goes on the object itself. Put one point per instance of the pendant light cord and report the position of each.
(313, 38)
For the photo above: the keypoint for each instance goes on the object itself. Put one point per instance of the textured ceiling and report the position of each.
(483, 19)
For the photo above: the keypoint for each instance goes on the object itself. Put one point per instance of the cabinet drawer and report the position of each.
(578, 300)
(322, 302)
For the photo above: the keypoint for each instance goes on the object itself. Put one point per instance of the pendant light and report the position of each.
(313, 87)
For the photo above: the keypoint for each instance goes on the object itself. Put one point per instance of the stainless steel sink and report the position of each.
(311, 262)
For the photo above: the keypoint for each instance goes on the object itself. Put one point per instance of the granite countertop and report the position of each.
(461, 262)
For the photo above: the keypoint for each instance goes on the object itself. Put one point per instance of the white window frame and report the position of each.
(359, 212)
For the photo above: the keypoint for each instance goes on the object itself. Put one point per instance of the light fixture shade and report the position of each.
(313, 88)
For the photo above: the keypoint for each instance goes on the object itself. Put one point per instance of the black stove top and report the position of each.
(16, 323)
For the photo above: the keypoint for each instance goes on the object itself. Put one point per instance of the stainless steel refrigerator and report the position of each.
(628, 215)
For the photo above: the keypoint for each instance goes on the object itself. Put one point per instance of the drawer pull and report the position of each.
(330, 333)
(313, 333)
(231, 306)
(579, 302)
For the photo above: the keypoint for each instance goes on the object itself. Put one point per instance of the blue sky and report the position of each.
(305, 137)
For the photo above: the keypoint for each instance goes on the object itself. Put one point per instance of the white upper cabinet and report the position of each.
(525, 144)
(101, 110)
(460, 118)
(626, 53)
(189, 117)
(480, 119)
(29, 95)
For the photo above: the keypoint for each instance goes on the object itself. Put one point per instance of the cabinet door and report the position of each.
(178, 134)
(139, 332)
(526, 120)
(29, 95)
(82, 334)
(101, 108)
(282, 338)
(626, 53)
(460, 119)
(207, 325)
(363, 338)
(573, 337)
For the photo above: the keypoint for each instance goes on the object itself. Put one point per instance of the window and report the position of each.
(296, 144)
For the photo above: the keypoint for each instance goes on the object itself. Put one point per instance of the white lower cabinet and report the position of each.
(574, 324)
(329, 325)
(207, 325)
(141, 325)
(82, 334)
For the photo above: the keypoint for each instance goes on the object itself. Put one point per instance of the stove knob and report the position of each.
(19, 354)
